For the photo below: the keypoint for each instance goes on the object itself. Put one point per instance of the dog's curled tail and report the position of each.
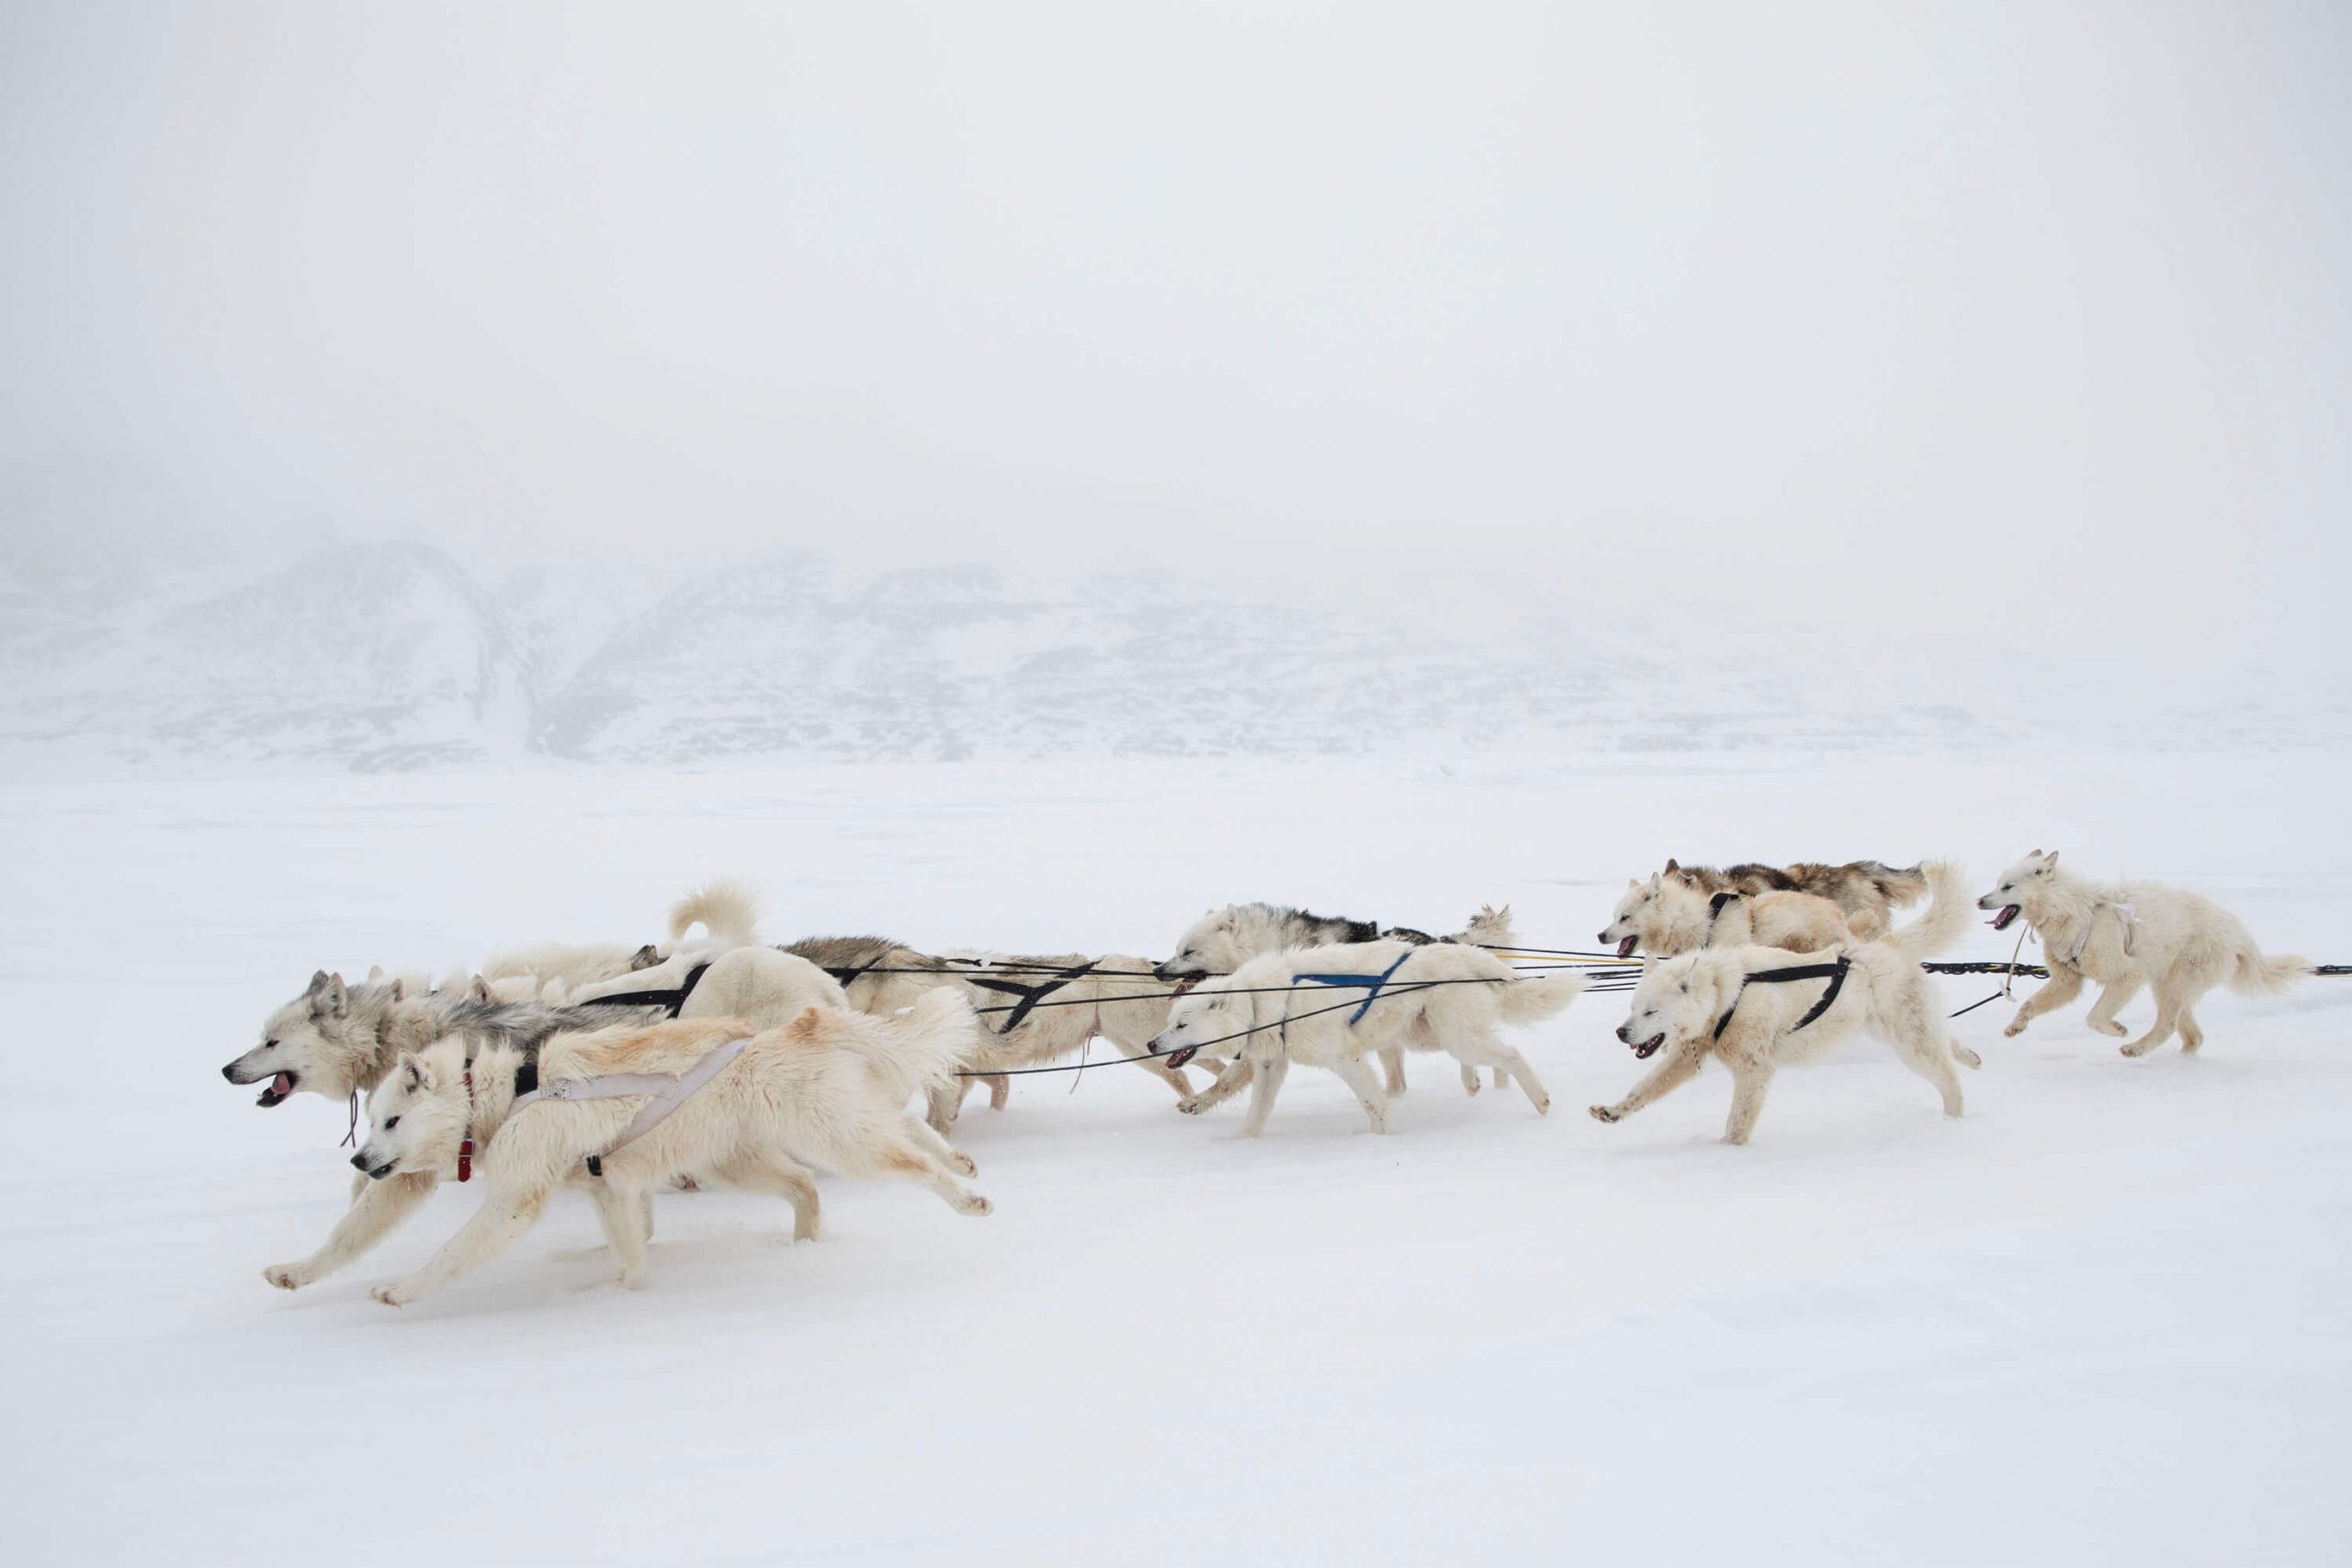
(1489, 927)
(1901, 886)
(922, 1047)
(727, 910)
(2256, 975)
(1945, 920)
(1537, 997)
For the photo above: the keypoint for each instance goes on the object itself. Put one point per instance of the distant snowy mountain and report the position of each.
(386, 657)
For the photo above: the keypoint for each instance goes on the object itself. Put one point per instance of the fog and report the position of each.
(2026, 322)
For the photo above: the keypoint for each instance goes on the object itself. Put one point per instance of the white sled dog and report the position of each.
(1737, 1005)
(1297, 1006)
(1035, 1009)
(827, 1088)
(1669, 916)
(728, 911)
(1224, 939)
(2126, 935)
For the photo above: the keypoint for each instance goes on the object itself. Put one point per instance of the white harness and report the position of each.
(2123, 913)
(664, 1091)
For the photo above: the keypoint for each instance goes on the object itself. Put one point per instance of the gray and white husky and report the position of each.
(1224, 939)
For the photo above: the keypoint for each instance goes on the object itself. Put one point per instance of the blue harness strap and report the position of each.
(1372, 981)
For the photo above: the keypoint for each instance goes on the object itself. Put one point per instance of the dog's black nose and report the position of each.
(1621, 1034)
(1603, 939)
(359, 1161)
(229, 1072)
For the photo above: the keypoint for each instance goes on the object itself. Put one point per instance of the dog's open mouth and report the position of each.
(1645, 1049)
(1186, 984)
(382, 1170)
(2000, 923)
(277, 1089)
(1625, 948)
(1178, 1058)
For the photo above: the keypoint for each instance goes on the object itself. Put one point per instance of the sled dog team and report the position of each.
(621, 1070)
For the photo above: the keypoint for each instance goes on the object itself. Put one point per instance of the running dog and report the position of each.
(728, 912)
(1668, 916)
(1754, 1011)
(1858, 888)
(1223, 939)
(1328, 1007)
(339, 1040)
(828, 1086)
(1038, 1009)
(2126, 935)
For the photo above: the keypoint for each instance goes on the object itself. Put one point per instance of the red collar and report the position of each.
(465, 1149)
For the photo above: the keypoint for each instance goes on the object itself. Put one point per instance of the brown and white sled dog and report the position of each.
(1224, 939)
(2126, 935)
(826, 1088)
(1272, 1011)
(1865, 887)
(1669, 916)
(728, 912)
(1721, 1002)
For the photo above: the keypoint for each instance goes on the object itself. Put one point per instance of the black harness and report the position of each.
(673, 999)
(1833, 973)
(849, 975)
(1030, 995)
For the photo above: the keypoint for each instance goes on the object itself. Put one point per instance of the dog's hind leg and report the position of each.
(1392, 1061)
(2063, 986)
(941, 1103)
(503, 1216)
(622, 1215)
(1358, 1077)
(1677, 1069)
(2170, 1005)
(2192, 1035)
(384, 1205)
(1261, 1096)
(1479, 1048)
(771, 1170)
(2111, 1001)
(894, 1155)
(955, 1159)
(1749, 1080)
(1921, 1048)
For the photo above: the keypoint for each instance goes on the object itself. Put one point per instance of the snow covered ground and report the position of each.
(2100, 1319)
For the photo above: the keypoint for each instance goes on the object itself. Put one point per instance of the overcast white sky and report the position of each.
(2008, 317)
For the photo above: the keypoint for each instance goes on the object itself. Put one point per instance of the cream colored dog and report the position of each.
(1668, 916)
(1725, 1003)
(2126, 935)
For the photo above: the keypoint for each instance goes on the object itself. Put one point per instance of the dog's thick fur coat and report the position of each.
(828, 1089)
(1704, 1004)
(2126, 935)
(1860, 887)
(728, 912)
(1288, 1021)
(1669, 916)
(1222, 941)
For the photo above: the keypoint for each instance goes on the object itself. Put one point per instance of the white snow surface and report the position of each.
(2100, 1319)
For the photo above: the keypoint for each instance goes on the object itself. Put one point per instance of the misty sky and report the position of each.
(2004, 319)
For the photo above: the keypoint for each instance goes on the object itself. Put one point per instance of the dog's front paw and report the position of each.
(1606, 1114)
(1189, 1106)
(2016, 1028)
(975, 1205)
(391, 1295)
(1543, 1106)
(289, 1276)
(963, 1162)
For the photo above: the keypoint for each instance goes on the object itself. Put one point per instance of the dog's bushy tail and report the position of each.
(1901, 886)
(727, 910)
(2256, 975)
(1945, 920)
(1537, 997)
(922, 1047)
(1489, 927)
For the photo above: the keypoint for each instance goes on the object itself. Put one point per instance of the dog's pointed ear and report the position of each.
(480, 988)
(2049, 860)
(645, 957)
(375, 974)
(2033, 854)
(331, 1001)
(414, 1072)
(318, 982)
(1672, 865)
(400, 990)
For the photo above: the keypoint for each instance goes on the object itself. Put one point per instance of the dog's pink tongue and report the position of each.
(1625, 948)
(282, 1085)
